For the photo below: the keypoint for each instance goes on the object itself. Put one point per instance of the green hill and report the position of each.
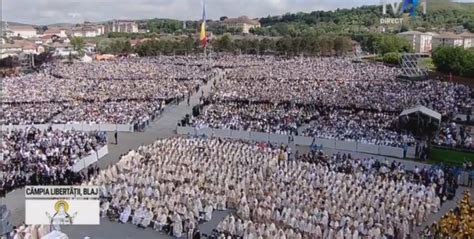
(434, 5)
(441, 14)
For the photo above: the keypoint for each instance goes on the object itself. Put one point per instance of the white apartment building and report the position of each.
(25, 31)
(447, 39)
(468, 39)
(127, 26)
(421, 42)
(55, 31)
(7, 50)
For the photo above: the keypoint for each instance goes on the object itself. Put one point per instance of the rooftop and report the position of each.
(25, 44)
(410, 33)
(53, 31)
(22, 28)
(466, 35)
(448, 35)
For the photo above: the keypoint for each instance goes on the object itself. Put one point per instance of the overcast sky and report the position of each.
(54, 11)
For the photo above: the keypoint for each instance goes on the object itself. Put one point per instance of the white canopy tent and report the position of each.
(423, 110)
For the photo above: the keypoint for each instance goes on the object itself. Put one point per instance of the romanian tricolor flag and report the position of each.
(202, 34)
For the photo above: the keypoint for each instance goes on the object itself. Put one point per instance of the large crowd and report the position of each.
(43, 157)
(124, 91)
(173, 184)
(454, 136)
(457, 223)
(339, 99)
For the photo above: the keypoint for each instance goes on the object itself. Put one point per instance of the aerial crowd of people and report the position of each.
(175, 183)
(457, 223)
(44, 157)
(126, 91)
(335, 98)
(452, 135)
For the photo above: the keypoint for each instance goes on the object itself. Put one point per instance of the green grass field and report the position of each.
(427, 63)
(451, 157)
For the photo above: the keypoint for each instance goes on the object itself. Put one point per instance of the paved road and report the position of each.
(115, 230)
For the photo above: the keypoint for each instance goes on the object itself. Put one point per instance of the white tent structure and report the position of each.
(423, 110)
(421, 121)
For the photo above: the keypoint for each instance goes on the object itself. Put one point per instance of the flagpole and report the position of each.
(205, 57)
(205, 37)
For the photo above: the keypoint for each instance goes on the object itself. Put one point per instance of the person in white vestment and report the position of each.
(208, 212)
(125, 214)
(177, 226)
(138, 216)
(147, 218)
(295, 199)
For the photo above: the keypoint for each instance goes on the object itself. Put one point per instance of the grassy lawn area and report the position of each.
(451, 157)
(427, 63)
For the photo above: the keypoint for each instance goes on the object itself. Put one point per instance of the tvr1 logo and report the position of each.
(401, 7)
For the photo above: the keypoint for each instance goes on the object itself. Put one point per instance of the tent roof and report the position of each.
(423, 110)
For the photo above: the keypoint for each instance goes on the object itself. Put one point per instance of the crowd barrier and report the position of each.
(78, 127)
(90, 159)
(298, 140)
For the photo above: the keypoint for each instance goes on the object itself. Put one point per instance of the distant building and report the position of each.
(243, 23)
(127, 26)
(62, 49)
(55, 31)
(48, 39)
(7, 50)
(100, 29)
(25, 31)
(421, 42)
(37, 40)
(85, 31)
(468, 39)
(20, 46)
(29, 47)
(447, 39)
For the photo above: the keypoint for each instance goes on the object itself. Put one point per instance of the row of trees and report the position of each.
(454, 60)
(325, 45)
(322, 45)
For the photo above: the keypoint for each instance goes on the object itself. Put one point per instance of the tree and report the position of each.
(224, 43)
(326, 45)
(223, 18)
(266, 45)
(392, 58)
(188, 45)
(283, 45)
(455, 60)
(342, 45)
(78, 44)
(392, 43)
